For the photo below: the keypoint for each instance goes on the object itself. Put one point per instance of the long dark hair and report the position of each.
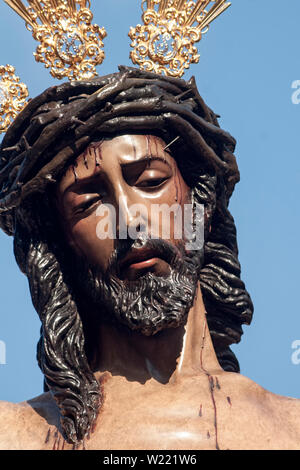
(50, 133)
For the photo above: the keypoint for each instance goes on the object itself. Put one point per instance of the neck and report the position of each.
(164, 357)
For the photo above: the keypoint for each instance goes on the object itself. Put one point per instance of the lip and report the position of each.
(143, 264)
(139, 259)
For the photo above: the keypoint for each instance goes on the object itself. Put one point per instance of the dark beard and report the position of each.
(150, 303)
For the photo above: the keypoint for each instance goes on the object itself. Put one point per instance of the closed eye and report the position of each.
(148, 172)
(152, 182)
(84, 206)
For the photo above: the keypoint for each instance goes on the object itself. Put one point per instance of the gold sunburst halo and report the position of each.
(13, 94)
(70, 45)
(165, 44)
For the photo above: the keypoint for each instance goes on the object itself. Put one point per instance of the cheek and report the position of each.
(170, 225)
(183, 198)
(182, 191)
(87, 244)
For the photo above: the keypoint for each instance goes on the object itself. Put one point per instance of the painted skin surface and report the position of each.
(166, 391)
(121, 172)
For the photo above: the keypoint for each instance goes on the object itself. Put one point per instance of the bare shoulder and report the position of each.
(274, 419)
(285, 409)
(279, 404)
(26, 425)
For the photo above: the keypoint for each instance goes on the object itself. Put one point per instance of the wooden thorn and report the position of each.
(186, 92)
(10, 149)
(50, 179)
(173, 141)
(27, 146)
(75, 120)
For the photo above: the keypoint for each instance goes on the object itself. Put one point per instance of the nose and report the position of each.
(132, 214)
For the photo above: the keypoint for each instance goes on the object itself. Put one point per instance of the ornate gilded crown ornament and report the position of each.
(70, 45)
(165, 44)
(13, 96)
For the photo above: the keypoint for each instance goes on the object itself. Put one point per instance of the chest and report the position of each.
(186, 420)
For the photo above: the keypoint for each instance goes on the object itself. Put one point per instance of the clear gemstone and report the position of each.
(3, 95)
(70, 46)
(163, 47)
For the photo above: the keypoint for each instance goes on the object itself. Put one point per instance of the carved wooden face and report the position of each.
(113, 176)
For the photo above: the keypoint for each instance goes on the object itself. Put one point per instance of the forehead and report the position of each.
(109, 154)
(130, 147)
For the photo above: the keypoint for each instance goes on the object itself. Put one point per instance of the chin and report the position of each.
(148, 304)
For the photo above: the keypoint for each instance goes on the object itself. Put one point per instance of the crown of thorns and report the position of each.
(58, 125)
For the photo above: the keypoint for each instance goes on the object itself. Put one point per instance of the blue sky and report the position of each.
(249, 60)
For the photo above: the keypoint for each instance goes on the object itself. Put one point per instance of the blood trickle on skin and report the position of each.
(176, 197)
(97, 152)
(85, 159)
(211, 387)
(55, 444)
(148, 142)
(48, 436)
(94, 150)
(134, 149)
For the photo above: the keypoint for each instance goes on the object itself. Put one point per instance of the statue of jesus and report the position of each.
(135, 325)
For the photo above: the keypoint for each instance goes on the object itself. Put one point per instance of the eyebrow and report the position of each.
(146, 158)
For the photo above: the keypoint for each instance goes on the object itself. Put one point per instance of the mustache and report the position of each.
(159, 248)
